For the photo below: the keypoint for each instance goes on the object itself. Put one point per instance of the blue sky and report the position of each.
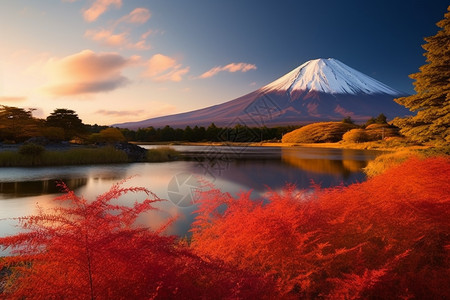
(127, 60)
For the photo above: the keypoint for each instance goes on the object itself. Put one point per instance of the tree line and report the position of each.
(18, 125)
(212, 133)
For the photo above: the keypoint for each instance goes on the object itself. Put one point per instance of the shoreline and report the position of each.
(352, 146)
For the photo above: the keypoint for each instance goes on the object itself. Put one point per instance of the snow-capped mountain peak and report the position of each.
(329, 76)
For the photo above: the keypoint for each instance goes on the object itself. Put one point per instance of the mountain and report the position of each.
(318, 90)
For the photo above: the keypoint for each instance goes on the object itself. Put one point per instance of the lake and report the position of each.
(231, 169)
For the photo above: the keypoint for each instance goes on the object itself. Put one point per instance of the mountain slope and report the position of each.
(318, 90)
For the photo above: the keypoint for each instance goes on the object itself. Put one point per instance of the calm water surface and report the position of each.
(231, 169)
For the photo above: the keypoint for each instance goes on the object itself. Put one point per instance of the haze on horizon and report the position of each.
(116, 61)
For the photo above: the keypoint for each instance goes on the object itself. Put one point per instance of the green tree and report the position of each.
(68, 120)
(432, 86)
(348, 120)
(213, 132)
(381, 119)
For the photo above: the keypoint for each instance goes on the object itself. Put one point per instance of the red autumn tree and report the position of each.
(95, 250)
(385, 238)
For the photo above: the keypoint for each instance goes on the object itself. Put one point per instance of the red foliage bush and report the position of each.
(95, 250)
(388, 237)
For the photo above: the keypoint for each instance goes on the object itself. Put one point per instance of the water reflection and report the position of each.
(22, 188)
(328, 161)
(36, 188)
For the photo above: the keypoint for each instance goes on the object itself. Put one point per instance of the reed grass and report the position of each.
(162, 154)
(79, 156)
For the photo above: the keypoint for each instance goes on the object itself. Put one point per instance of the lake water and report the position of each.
(231, 169)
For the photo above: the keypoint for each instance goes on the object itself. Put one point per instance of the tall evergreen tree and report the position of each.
(432, 84)
(68, 120)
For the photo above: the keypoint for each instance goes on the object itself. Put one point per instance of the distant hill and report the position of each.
(318, 90)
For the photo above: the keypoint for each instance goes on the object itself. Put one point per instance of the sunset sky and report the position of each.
(127, 60)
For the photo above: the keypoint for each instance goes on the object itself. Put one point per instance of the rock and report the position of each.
(134, 152)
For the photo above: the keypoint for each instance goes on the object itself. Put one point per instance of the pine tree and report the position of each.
(432, 84)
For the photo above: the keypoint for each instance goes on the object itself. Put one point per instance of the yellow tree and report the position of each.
(432, 84)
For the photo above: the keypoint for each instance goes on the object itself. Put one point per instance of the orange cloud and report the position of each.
(11, 99)
(86, 72)
(158, 109)
(164, 68)
(98, 8)
(137, 16)
(106, 37)
(233, 67)
(141, 45)
(118, 113)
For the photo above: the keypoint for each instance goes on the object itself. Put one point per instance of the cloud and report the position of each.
(141, 45)
(98, 8)
(106, 37)
(118, 113)
(86, 72)
(146, 34)
(158, 109)
(233, 67)
(11, 99)
(164, 68)
(137, 16)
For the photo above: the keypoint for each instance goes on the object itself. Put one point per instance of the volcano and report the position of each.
(318, 90)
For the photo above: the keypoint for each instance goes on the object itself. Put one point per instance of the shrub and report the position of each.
(53, 133)
(318, 133)
(96, 250)
(108, 135)
(32, 151)
(355, 136)
(162, 154)
(387, 238)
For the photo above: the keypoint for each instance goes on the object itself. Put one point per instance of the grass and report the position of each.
(386, 161)
(162, 154)
(323, 132)
(80, 156)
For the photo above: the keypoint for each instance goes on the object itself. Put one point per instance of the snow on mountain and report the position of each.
(329, 76)
(318, 90)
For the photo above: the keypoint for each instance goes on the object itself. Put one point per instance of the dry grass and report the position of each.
(387, 161)
(162, 154)
(324, 132)
(79, 156)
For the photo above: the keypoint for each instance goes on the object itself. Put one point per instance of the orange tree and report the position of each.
(17, 124)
